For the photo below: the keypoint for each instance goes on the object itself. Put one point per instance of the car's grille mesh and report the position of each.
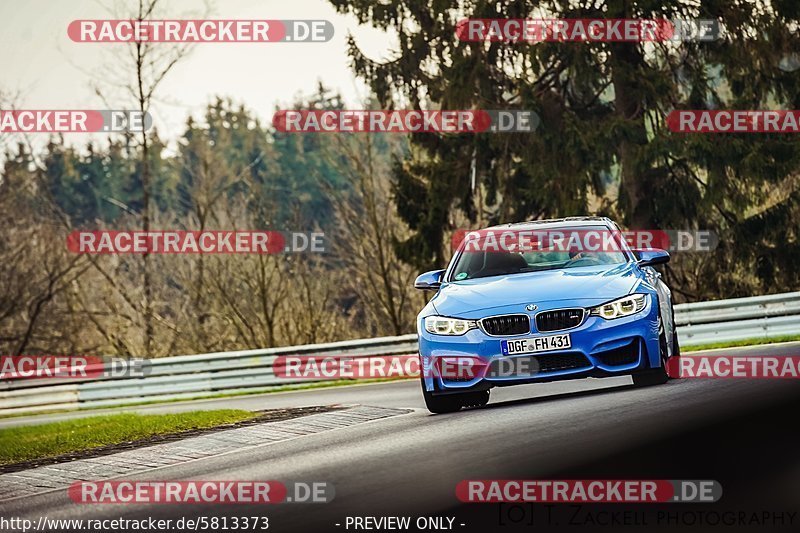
(530, 365)
(460, 379)
(562, 361)
(624, 355)
(560, 319)
(507, 325)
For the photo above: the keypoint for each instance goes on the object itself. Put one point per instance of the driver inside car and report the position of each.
(587, 258)
(577, 255)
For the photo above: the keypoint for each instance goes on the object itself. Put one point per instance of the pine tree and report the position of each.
(602, 145)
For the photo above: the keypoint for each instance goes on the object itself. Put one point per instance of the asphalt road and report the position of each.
(739, 432)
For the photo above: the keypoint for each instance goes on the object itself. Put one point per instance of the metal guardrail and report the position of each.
(191, 376)
(756, 317)
(186, 376)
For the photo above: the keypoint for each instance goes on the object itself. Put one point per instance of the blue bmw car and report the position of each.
(512, 314)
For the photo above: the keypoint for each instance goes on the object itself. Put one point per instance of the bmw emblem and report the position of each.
(531, 307)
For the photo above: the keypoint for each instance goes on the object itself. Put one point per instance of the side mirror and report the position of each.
(429, 281)
(652, 256)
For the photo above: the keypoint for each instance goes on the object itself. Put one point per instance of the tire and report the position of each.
(450, 403)
(676, 347)
(655, 376)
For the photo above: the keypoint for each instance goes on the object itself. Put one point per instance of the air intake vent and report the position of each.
(624, 355)
(506, 325)
(562, 361)
(530, 366)
(560, 319)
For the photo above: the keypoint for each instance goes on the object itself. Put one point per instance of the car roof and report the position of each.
(559, 223)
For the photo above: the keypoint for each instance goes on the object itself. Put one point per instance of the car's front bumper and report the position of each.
(599, 347)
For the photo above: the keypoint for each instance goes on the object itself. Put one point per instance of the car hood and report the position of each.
(584, 286)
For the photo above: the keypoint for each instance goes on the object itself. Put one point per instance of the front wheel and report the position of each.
(655, 376)
(450, 403)
(676, 347)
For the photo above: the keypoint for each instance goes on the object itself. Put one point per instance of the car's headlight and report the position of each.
(442, 325)
(628, 305)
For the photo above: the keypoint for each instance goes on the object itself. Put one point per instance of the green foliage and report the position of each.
(229, 154)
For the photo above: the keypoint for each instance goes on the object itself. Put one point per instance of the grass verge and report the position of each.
(28, 443)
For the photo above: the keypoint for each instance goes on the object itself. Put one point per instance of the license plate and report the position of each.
(536, 344)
